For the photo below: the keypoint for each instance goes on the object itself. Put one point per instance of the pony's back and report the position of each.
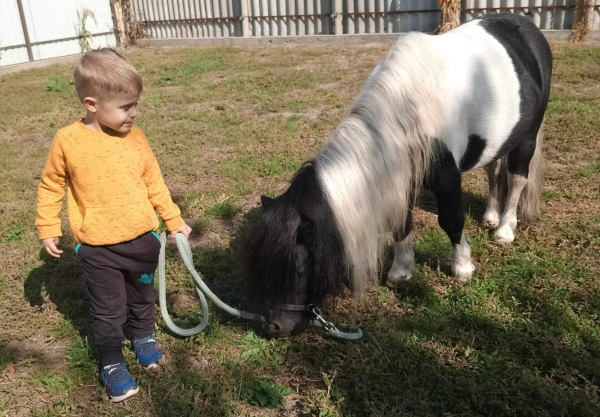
(473, 89)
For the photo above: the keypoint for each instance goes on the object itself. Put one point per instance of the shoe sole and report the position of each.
(128, 394)
(153, 365)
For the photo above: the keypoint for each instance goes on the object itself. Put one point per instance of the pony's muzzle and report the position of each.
(273, 328)
(282, 322)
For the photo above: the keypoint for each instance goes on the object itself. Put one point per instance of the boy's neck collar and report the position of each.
(90, 123)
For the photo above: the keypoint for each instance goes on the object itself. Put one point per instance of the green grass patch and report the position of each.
(203, 223)
(224, 210)
(590, 170)
(291, 123)
(197, 63)
(262, 352)
(14, 234)
(64, 329)
(277, 165)
(58, 84)
(5, 358)
(550, 194)
(265, 393)
(81, 358)
(51, 381)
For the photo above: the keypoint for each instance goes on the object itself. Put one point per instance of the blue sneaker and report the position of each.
(147, 352)
(118, 382)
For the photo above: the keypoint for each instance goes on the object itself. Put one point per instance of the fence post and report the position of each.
(245, 20)
(338, 17)
(25, 31)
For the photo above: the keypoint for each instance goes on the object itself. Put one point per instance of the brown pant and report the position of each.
(120, 285)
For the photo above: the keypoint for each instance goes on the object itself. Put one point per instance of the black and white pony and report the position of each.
(436, 106)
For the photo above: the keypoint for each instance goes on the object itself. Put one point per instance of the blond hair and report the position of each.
(104, 73)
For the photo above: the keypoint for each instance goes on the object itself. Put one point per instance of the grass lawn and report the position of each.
(230, 124)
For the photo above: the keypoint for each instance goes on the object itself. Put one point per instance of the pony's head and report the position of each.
(293, 256)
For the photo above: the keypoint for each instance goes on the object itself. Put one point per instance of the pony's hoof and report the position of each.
(491, 220)
(463, 272)
(504, 235)
(398, 275)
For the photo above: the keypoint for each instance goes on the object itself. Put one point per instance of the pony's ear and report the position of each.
(266, 202)
(306, 232)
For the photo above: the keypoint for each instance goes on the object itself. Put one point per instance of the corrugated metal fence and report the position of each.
(31, 30)
(166, 19)
(38, 29)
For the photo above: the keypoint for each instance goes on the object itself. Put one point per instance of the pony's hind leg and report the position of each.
(445, 182)
(404, 254)
(519, 160)
(491, 218)
(505, 232)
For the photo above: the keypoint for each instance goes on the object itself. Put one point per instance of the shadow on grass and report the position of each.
(455, 355)
(473, 204)
(507, 345)
(61, 280)
(459, 363)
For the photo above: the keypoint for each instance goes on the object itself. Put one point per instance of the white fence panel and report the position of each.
(47, 21)
(11, 34)
(53, 27)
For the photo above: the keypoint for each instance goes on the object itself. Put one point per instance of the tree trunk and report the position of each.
(119, 22)
(450, 15)
(127, 27)
(584, 18)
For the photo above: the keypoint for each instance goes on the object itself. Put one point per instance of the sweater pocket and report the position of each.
(109, 225)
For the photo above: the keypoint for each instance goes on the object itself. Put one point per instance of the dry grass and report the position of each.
(230, 124)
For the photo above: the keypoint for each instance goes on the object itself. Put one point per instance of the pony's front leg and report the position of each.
(462, 265)
(445, 182)
(404, 255)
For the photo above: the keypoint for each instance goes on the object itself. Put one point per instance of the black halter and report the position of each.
(295, 307)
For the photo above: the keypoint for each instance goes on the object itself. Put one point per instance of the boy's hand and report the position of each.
(185, 230)
(50, 246)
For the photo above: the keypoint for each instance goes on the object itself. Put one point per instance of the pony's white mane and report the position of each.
(379, 154)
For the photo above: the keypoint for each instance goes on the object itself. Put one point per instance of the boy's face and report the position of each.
(117, 112)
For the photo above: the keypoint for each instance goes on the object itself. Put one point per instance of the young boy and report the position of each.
(114, 185)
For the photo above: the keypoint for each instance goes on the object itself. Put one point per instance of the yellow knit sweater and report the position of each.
(113, 186)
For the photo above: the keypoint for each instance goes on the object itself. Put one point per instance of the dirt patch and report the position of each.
(212, 77)
(212, 238)
(260, 188)
(330, 86)
(201, 106)
(217, 154)
(31, 140)
(312, 114)
(182, 300)
(296, 94)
